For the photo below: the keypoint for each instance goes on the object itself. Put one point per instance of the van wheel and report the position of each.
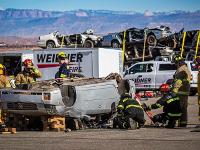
(50, 44)
(88, 44)
(193, 93)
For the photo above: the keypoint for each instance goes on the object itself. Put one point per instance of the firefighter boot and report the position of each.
(132, 124)
(171, 123)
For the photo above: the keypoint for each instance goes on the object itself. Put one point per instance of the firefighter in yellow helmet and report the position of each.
(29, 74)
(64, 70)
(181, 86)
(4, 82)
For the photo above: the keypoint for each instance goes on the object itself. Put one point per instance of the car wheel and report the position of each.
(115, 44)
(51, 44)
(193, 93)
(172, 43)
(88, 44)
(151, 40)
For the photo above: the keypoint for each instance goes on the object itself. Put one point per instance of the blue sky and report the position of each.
(121, 5)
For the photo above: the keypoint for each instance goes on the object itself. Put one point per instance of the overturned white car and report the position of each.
(76, 98)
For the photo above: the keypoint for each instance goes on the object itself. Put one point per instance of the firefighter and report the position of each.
(4, 82)
(197, 64)
(171, 107)
(64, 70)
(130, 113)
(181, 86)
(28, 75)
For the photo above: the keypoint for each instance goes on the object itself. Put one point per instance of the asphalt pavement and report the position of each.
(110, 139)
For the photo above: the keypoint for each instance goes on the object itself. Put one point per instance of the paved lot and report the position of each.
(108, 139)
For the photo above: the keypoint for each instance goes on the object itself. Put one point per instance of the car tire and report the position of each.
(193, 93)
(88, 44)
(151, 40)
(115, 44)
(172, 43)
(50, 44)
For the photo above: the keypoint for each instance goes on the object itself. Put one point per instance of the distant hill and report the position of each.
(32, 23)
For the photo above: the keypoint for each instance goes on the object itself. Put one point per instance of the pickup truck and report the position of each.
(150, 75)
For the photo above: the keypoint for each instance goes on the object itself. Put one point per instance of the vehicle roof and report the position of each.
(164, 62)
(151, 61)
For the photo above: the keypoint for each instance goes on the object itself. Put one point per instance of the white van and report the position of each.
(150, 75)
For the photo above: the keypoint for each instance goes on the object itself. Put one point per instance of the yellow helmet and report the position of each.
(62, 55)
(2, 66)
(177, 58)
(2, 69)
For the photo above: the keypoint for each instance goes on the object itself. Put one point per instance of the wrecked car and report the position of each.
(135, 36)
(55, 39)
(113, 40)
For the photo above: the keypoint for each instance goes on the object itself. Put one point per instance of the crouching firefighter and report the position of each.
(171, 107)
(130, 114)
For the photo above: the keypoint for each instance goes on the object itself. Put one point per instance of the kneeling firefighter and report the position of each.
(171, 107)
(130, 113)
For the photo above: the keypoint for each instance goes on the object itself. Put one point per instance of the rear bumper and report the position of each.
(25, 108)
(193, 85)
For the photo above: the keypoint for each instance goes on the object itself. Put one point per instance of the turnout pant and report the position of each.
(137, 115)
(184, 105)
(123, 121)
(199, 107)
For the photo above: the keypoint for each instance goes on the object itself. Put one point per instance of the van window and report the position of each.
(193, 67)
(12, 64)
(167, 67)
(141, 68)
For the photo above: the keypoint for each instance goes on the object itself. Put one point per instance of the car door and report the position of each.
(143, 75)
(164, 71)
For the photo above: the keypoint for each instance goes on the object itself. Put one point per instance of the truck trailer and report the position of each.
(92, 62)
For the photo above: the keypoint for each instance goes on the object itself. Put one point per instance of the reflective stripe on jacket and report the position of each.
(27, 77)
(170, 104)
(4, 82)
(128, 103)
(63, 72)
(182, 79)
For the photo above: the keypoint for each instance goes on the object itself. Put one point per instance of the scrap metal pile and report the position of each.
(147, 43)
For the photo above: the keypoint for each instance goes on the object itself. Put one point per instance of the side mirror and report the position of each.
(126, 72)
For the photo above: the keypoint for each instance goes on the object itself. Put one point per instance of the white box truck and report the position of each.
(90, 62)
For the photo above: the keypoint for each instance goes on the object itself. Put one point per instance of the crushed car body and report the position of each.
(55, 39)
